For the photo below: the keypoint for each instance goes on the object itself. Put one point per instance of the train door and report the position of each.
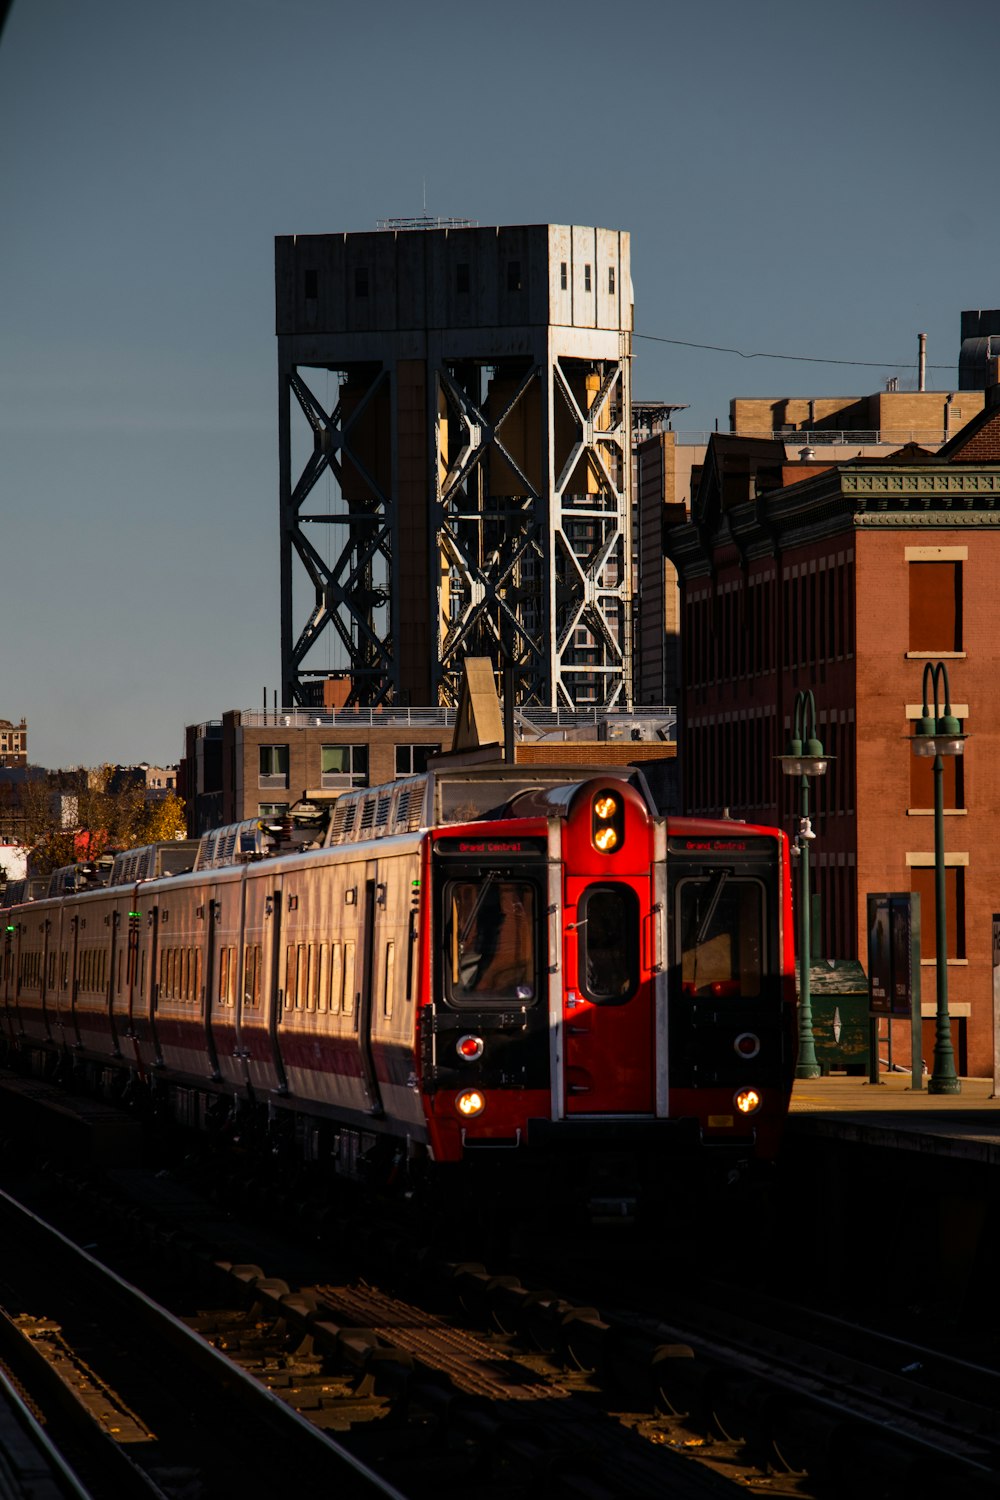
(372, 897)
(223, 909)
(609, 1017)
(263, 979)
(114, 919)
(73, 1017)
(728, 1012)
(43, 978)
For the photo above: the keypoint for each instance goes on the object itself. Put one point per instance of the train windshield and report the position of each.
(490, 940)
(721, 923)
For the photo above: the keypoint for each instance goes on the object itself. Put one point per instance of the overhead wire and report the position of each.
(811, 359)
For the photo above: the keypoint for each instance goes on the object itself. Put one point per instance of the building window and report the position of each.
(513, 276)
(922, 880)
(462, 276)
(935, 607)
(411, 760)
(343, 765)
(273, 766)
(361, 281)
(563, 277)
(586, 278)
(272, 809)
(611, 280)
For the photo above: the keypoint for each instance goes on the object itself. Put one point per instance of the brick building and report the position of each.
(13, 743)
(261, 763)
(847, 581)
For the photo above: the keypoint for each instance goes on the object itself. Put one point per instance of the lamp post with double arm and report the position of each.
(805, 758)
(940, 734)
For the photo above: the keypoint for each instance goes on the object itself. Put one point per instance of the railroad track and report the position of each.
(427, 1400)
(449, 1375)
(134, 1401)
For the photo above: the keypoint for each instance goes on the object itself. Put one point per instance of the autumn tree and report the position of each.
(98, 815)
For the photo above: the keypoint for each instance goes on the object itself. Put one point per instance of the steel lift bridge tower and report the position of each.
(455, 461)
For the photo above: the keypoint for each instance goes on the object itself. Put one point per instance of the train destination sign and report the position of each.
(477, 848)
(691, 845)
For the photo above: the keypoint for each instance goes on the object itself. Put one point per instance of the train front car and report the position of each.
(732, 1008)
(611, 991)
(548, 1023)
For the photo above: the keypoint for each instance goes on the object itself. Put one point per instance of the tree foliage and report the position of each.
(98, 815)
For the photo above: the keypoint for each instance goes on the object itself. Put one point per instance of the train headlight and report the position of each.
(470, 1103)
(469, 1048)
(607, 830)
(747, 1101)
(746, 1045)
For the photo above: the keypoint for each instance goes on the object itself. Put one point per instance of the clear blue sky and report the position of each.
(797, 179)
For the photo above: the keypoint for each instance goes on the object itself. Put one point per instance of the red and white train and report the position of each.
(464, 962)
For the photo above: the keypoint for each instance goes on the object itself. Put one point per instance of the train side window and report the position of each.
(300, 977)
(349, 979)
(322, 976)
(608, 937)
(224, 976)
(336, 978)
(390, 965)
(312, 999)
(289, 976)
(721, 925)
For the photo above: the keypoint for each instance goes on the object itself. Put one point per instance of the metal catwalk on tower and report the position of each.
(455, 463)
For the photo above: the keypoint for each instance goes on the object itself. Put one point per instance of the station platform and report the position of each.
(892, 1113)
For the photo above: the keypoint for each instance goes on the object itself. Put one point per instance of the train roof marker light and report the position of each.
(607, 828)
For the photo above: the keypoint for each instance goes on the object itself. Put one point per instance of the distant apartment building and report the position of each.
(847, 579)
(157, 782)
(263, 763)
(890, 418)
(13, 743)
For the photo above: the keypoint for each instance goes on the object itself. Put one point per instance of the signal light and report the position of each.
(748, 1101)
(469, 1048)
(471, 1103)
(607, 822)
(746, 1045)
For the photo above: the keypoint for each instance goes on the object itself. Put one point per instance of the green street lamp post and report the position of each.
(805, 758)
(940, 735)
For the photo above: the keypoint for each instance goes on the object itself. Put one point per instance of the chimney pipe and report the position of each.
(922, 362)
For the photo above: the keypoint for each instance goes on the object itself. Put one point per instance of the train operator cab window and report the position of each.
(608, 935)
(490, 941)
(720, 920)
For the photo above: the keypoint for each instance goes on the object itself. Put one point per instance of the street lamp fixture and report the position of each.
(940, 734)
(805, 758)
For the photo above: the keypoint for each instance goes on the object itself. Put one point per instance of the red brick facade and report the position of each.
(848, 583)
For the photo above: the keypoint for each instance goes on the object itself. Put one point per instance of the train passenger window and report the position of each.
(224, 976)
(490, 940)
(390, 965)
(720, 921)
(336, 978)
(349, 979)
(289, 976)
(608, 935)
(300, 977)
(251, 975)
(312, 1000)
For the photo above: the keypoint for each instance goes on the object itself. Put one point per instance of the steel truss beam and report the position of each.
(349, 591)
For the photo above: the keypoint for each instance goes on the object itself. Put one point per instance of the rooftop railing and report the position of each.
(395, 717)
(828, 437)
